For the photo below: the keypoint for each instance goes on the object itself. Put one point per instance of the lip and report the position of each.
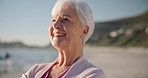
(59, 34)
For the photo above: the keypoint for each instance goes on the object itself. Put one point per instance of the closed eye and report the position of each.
(65, 19)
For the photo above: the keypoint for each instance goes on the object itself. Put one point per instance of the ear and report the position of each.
(85, 31)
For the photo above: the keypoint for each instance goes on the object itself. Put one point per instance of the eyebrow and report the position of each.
(67, 15)
(64, 15)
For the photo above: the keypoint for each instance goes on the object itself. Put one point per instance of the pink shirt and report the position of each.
(80, 69)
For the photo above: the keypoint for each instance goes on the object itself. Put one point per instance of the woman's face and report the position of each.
(66, 29)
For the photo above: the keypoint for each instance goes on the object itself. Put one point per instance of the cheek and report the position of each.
(77, 32)
(50, 30)
(74, 34)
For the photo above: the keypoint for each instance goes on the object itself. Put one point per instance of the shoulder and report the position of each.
(33, 70)
(85, 69)
(91, 71)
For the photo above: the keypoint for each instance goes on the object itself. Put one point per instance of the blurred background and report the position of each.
(119, 43)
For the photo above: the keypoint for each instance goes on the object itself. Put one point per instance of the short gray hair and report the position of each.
(83, 11)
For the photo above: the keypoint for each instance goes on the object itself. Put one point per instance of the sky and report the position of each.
(28, 20)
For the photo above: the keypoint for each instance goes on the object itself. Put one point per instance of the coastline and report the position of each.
(116, 62)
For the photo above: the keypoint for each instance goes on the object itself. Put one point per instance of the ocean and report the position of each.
(23, 59)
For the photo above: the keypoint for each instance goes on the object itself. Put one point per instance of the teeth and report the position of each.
(59, 34)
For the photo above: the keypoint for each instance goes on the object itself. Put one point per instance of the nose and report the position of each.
(57, 25)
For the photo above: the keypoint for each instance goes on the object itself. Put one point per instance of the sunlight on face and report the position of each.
(66, 30)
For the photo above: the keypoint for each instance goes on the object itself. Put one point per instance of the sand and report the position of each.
(120, 62)
(115, 62)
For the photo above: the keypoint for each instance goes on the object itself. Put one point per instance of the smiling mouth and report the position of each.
(59, 35)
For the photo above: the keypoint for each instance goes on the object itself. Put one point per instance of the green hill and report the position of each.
(16, 44)
(131, 32)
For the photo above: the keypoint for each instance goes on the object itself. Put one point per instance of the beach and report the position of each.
(120, 62)
(114, 61)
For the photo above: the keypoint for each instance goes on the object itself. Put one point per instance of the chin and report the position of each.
(59, 45)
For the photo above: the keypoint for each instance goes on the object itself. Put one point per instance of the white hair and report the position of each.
(83, 11)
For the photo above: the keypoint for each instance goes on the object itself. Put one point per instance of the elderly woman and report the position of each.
(72, 25)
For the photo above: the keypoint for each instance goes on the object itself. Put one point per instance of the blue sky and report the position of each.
(28, 20)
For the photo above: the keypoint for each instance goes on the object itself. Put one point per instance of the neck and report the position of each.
(68, 57)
